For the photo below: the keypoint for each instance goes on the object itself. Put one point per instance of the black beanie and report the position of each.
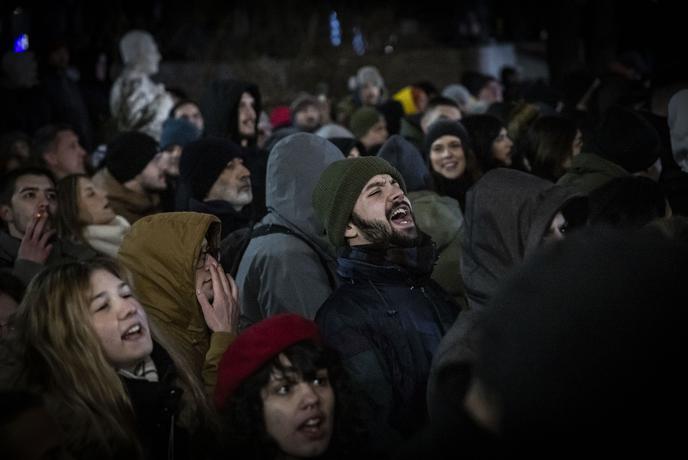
(203, 161)
(627, 139)
(443, 128)
(128, 154)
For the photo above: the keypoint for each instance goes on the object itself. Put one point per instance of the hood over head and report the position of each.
(161, 253)
(508, 212)
(220, 104)
(294, 167)
(406, 158)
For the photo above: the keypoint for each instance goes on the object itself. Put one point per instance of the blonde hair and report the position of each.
(63, 356)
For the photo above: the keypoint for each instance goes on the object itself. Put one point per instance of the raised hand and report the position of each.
(35, 244)
(222, 313)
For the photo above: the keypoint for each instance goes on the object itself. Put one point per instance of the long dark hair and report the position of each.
(483, 130)
(69, 225)
(548, 144)
(243, 422)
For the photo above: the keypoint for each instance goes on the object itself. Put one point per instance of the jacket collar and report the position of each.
(380, 263)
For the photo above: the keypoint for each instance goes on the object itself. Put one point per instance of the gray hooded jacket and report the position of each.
(508, 213)
(278, 272)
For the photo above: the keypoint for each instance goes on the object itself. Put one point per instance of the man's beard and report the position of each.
(378, 233)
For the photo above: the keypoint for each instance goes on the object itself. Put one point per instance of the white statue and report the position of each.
(136, 102)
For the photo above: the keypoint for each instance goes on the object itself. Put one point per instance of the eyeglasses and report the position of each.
(203, 256)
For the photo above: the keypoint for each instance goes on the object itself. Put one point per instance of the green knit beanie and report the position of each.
(362, 120)
(338, 188)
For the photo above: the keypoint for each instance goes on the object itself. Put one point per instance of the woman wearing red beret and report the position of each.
(282, 394)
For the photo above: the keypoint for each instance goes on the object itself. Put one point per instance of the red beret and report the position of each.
(257, 345)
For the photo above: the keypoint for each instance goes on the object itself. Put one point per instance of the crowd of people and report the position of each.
(480, 271)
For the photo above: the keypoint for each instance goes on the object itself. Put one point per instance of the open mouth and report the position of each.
(313, 428)
(135, 332)
(450, 164)
(401, 215)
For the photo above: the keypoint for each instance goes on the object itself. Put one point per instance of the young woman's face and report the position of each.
(299, 415)
(447, 157)
(501, 148)
(94, 207)
(119, 320)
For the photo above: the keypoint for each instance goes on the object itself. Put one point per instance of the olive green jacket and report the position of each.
(161, 252)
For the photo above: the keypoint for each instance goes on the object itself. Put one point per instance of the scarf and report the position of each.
(107, 238)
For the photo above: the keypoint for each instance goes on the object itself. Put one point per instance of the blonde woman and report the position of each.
(84, 342)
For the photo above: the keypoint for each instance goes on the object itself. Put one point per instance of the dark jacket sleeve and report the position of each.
(450, 373)
(365, 364)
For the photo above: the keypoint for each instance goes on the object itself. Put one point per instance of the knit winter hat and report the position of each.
(178, 131)
(369, 74)
(302, 101)
(362, 120)
(256, 346)
(338, 188)
(457, 93)
(128, 154)
(331, 130)
(625, 138)
(203, 161)
(445, 128)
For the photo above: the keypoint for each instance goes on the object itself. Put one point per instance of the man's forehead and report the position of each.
(33, 181)
(66, 135)
(378, 178)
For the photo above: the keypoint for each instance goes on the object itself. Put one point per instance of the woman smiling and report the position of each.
(84, 342)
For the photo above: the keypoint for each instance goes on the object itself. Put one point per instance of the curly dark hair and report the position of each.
(244, 432)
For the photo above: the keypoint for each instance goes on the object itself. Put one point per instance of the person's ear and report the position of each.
(6, 213)
(351, 231)
(50, 158)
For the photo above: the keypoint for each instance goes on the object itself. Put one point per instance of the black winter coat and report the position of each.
(156, 406)
(386, 319)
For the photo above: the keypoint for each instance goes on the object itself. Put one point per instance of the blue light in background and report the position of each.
(335, 30)
(358, 42)
(21, 43)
